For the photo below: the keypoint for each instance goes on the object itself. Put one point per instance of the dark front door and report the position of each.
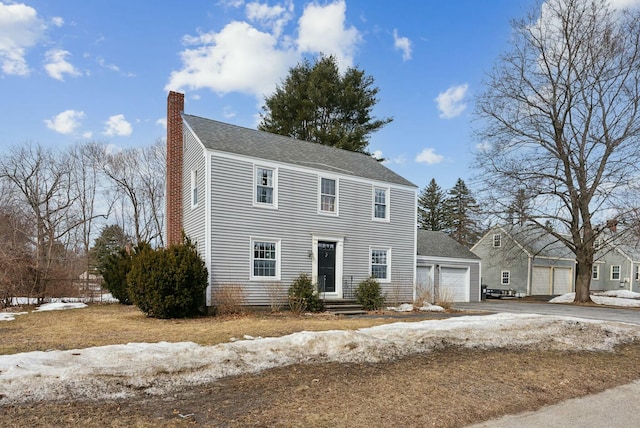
(327, 267)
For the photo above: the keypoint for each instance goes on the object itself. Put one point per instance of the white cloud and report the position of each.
(65, 122)
(104, 64)
(377, 154)
(402, 44)
(231, 3)
(451, 102)
(483, 147)
(271, 17)
(238, 58)
(87, 134)
(57, 21)
(429, 156)
(228, 112)
(20, 29)
(57, 65)
(322, 29)
(162, 122)
(117, 126)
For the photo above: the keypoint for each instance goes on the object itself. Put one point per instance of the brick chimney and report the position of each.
(175, 107)
(612, 225)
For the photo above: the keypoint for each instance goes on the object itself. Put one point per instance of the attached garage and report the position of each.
(547, 280)
(447, 266)
(454, 283)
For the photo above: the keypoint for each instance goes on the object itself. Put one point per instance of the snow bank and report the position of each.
(120, 371)
(600, 300)
(407, 307)
(10, 316)
(59, 306)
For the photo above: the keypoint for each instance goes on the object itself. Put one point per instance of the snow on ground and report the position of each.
(104, 298)
(601, 299)
(407, 307)
(120, 371)
(10, 316)
(625, 294)
(59, 306)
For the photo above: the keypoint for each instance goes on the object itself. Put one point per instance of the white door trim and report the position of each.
(339, 240)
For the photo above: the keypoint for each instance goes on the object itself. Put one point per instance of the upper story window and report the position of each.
(265, 259)
(597, 244)
(595, 272)
(615, 272)
(497, 240)
(380, 261)
(381, 203)
(265, 186)
(194, 188)
(636, 272)
(506, 277)
(328, 195)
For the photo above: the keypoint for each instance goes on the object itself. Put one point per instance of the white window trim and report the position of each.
(337, 204)
(273, 205)
(597, 272)
(619, 278)
(194, 188)
(387, 200)
(508, 272)
(499, 236)
(388, 250)
(252, 277)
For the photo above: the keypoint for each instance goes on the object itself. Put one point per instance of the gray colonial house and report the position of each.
(264, 208)
(617, 264)
(446, 268)
(527, 260)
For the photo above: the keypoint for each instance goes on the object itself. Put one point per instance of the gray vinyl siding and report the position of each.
(507, 257)
(193, 220)
(626, 271)
(235, 220)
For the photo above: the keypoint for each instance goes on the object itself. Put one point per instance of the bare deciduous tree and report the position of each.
(139, 176)
(42, 179)
(561, 120)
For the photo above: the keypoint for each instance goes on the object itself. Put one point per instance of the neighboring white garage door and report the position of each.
(424, 282)
(454, 282)
(562, 283)
(541, 281)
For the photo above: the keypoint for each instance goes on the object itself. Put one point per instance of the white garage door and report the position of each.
(455, 283)
(424, 282)
(562, 283)
(541, 281)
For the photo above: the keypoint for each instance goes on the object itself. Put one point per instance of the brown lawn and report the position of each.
(448, 388)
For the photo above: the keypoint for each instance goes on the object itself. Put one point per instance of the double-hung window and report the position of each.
(506, 277)
(615, 272)
(194, 188)
(265, 186)
(328, 196)
(380, 264)
(497, 240)
(265, 261)
(381, 203)
(595, 272)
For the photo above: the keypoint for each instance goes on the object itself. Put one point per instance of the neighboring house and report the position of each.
(264, 208)
(616, 266)
(527, 260)
(449, 267)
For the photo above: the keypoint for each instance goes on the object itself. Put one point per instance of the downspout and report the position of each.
(529, 275)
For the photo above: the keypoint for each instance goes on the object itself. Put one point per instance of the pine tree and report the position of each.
(463, 210)
(317, 103)
(432, 212)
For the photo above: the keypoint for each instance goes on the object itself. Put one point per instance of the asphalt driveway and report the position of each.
(626, 315)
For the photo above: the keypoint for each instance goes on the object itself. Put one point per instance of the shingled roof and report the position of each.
(234, 139)
(439, 244)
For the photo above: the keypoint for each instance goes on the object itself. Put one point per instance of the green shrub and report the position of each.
(168, 282)
(302, 295)
(368, 294)
(114, 272)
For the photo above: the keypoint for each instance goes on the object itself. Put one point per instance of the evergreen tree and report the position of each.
(319, 104)
(112, 238)
(432, 212)
(462, 209)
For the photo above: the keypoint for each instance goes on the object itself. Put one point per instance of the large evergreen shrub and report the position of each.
(114, 270)
(302, 295)
(368, 294)
(169, 282)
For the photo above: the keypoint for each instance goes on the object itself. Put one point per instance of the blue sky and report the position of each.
(100, 70)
